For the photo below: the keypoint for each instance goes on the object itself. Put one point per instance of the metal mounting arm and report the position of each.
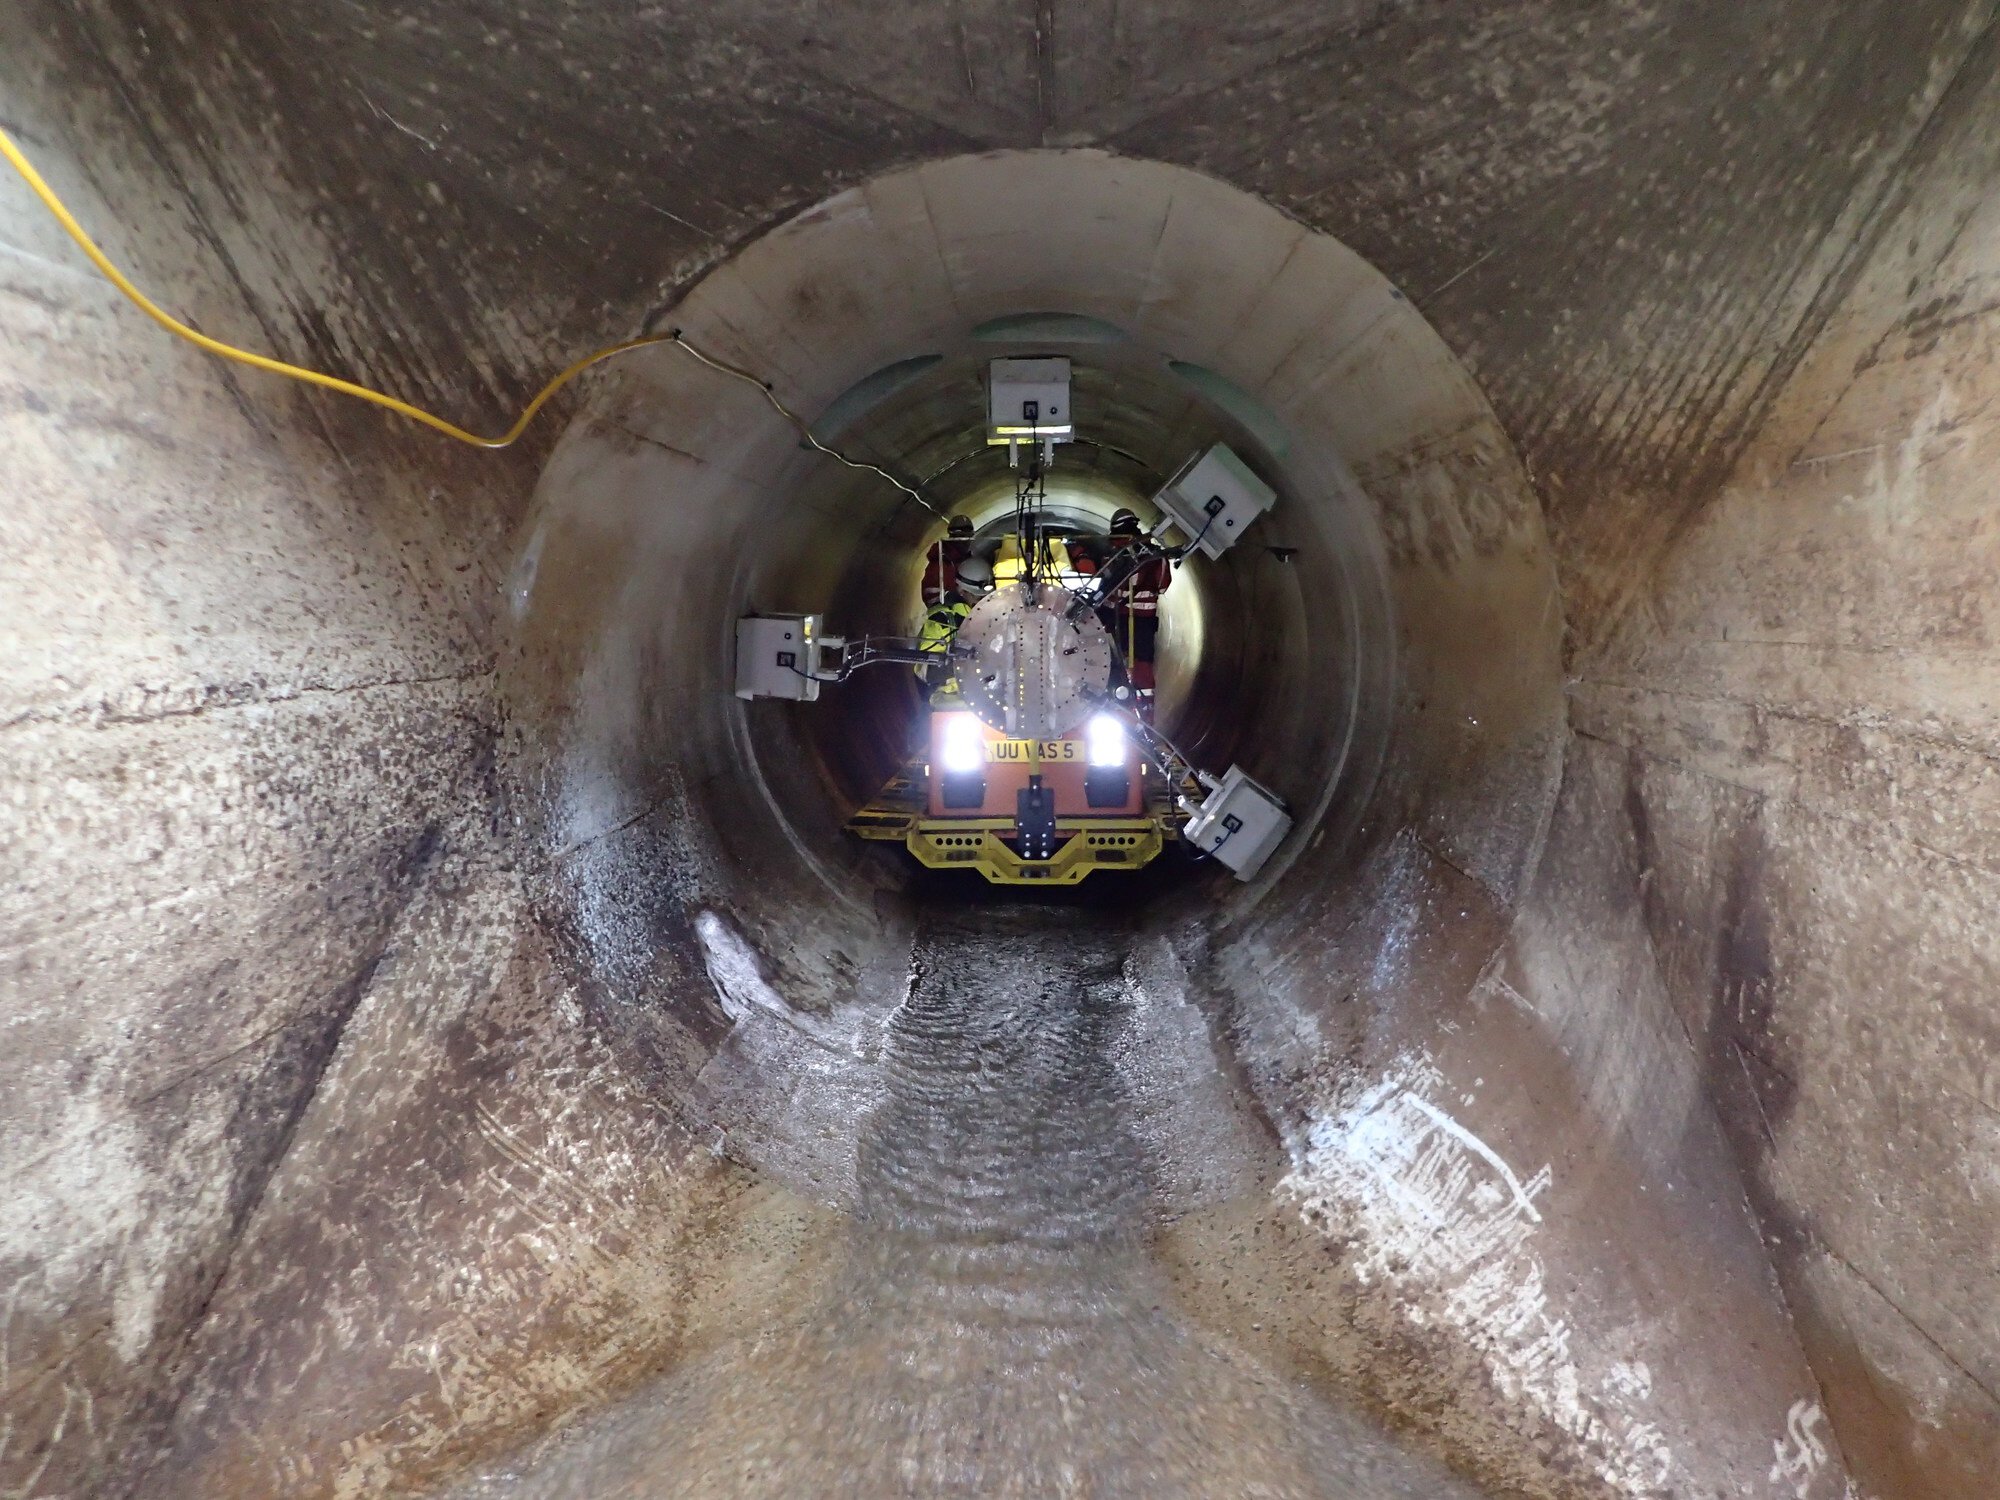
(874, 650)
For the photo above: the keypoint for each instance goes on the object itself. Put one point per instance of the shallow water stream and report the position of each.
(998, 1327)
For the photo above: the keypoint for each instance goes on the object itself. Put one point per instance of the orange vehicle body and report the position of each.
(1080, 790)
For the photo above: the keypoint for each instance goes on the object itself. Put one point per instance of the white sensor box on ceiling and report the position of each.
(1239, 823)
(1214, 498)
(775, 657)
(1027, 400)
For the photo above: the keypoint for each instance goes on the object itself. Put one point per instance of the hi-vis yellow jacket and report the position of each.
(934, 640)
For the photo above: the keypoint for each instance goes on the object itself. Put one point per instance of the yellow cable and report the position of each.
(277, 366)
(174, 326)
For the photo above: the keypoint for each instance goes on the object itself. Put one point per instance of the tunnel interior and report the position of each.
(454, 1045)
(649, 536)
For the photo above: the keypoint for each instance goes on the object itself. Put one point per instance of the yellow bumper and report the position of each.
(975, 844)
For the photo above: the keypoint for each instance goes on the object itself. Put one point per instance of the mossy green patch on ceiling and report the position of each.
(1048, 328)
(868, 392)
(1258, 419)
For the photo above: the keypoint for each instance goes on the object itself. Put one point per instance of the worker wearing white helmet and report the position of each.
(941, 563)
(974, 581)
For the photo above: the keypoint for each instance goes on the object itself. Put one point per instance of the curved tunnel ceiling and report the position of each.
(455, 1049)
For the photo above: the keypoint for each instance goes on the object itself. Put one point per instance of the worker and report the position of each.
(947, 552)
(973, 582)
(1136, 619)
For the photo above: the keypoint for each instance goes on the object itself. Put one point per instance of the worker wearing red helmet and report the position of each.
(1136, 622)
(941, 565)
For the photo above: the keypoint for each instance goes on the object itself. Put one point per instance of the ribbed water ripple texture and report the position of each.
(999, 1328)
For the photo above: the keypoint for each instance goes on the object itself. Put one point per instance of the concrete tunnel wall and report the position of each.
(673, 506)
(332, 1166)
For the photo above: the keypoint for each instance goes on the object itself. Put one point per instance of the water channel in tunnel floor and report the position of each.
(998, 1327)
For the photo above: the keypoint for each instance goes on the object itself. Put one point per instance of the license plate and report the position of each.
(1021, 752)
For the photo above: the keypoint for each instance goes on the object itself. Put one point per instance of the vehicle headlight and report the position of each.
(962, 747)
(1107, 741)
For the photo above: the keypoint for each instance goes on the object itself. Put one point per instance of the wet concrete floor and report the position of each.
(999, 1328)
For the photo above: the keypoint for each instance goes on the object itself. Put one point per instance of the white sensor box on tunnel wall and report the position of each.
(1214, 498)
(775, 657)
(1239, 823)
(1027, 400)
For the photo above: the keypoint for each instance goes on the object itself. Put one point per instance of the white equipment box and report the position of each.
(1027, 401)
(1238, 822)
(1214, 498)
(776, 657)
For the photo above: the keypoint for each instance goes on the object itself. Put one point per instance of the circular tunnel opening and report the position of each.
(1379, 650)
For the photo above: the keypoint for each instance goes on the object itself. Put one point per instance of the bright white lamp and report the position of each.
(1107, 740)
(964, 748)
